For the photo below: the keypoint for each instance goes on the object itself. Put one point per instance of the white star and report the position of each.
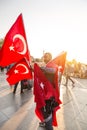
(11, 48)
(42, 85)
(15, 71)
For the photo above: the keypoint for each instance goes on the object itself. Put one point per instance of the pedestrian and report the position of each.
(46, 94)
(67, 79)
(2, 69)
(15, 87)
(59, 76)
(67, 74)
(25, 84)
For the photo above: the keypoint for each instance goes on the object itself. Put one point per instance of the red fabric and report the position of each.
(56, 87)
(19, 71)
(41, 93)
(54, 122)
(57, 91)
(39, 114)
(58, 61)
(16, 39)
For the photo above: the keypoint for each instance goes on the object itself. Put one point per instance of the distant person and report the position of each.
(16, 85)
(25, 84)
(67, 79)
(2, 69)
(59, 75)
(67, 75)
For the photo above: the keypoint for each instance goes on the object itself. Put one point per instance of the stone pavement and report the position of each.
(73, 112)
(17, 111)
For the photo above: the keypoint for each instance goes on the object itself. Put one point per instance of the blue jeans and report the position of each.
(49, 125)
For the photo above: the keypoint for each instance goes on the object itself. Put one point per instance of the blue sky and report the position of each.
(50, 25)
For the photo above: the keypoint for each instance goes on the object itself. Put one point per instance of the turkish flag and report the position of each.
(15, 45)
(19, 71)
(58, 61)
(43, 90)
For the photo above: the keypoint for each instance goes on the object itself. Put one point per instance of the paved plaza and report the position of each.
(17, 111)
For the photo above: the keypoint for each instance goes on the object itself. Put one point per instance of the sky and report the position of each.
(50, 25)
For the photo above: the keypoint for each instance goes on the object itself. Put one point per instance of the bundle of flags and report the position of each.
(46, 85)
(15, 51)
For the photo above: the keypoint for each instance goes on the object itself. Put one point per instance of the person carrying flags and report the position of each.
(46, 99)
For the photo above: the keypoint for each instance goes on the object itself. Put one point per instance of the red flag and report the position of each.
(43, 90)
(19, 71)
(15, 45)
(52, 75)
(58, 61)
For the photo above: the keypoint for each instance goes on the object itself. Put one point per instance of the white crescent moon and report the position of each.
(23, 41)
(26, 69)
